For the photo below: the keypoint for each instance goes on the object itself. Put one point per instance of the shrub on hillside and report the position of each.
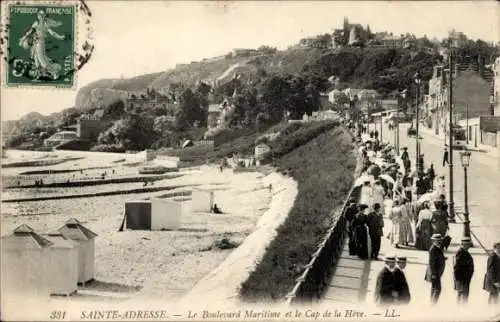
(108, 148)
(324, 169)
(300, 136)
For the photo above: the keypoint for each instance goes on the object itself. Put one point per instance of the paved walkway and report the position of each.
(354, 281)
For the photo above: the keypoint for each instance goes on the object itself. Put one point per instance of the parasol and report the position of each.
(361, 180)
(430, 196)
(387, 178)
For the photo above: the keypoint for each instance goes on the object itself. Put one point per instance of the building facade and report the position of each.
(496, 87)
(472, 88)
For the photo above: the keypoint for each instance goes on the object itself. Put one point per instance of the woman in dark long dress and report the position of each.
(424, 229)
(360, 233)
(350, 213)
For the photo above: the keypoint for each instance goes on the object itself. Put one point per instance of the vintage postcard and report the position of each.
(250, 160)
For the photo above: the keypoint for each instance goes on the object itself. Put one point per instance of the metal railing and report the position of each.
(315, 278)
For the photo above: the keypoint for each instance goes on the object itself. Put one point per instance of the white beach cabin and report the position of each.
(63, 259)
(165, 214)
(85, 238)
(202, 200)
(25, 259)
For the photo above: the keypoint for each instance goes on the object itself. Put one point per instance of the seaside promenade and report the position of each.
(354, 279)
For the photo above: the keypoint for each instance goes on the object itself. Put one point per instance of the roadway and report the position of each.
(483, 181)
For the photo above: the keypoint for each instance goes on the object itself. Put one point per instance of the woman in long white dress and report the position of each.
(406, 229)
(395, 217)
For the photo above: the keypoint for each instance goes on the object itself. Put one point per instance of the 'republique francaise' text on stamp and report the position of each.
(41, 45)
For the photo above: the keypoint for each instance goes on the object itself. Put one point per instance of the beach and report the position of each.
(169, 265)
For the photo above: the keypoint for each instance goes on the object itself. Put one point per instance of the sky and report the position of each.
(138, 37)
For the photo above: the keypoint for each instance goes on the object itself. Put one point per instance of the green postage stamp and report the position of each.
(41, 45)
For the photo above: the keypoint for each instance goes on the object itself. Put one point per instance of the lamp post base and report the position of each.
(466, 232)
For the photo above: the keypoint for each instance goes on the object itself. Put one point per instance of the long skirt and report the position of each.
(362, 241)
(396, 235)
(423, 235)
(406, 230)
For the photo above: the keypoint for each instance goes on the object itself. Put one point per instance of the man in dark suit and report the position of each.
(463, 269)
(445, 155)
(436, 265)
(375, 223)
(404, 154)
(492, 277)
(385, 292)
(400, 281)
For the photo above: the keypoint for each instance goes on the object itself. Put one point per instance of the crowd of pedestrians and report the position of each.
(420, 220)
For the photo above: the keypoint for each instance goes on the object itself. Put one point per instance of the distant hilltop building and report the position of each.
(353, 39)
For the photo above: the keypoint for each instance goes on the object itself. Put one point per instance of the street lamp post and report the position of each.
(465, 158)
(451, 203)
(418, 80)
(475, 136)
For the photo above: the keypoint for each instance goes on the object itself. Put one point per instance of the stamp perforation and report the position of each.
(77, 43)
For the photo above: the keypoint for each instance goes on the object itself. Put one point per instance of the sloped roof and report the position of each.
(24, 237)
(58, 240)
(74, 230)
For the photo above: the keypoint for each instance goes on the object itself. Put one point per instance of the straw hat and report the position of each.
(389, 258)
(362, 206)
(466, 241)
(437, 237)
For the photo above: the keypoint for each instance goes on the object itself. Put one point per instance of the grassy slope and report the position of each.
(324, 169)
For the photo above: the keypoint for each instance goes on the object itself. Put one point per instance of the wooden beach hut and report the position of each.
(63, 261)
(202, 200)
(25, 261)
(85, 238)
(165, 214)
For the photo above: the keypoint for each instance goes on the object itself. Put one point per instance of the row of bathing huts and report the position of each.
(48, 264)
(55, 263)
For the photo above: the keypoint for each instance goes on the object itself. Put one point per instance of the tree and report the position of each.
(267, 50)
(68, 116)
(114, 110)
(135, 132)
(190, 111)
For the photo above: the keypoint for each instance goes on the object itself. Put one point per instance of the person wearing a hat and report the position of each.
(375, 222)
(441, 185)
(366, 193)
(404, 154)
(385, 290)
(423, 228)
(395, 217)
(350, 212)
(492, 277)
(445, 155)
(431, 173)
(407, 186)
(401, 283)
(435, 267)
(463, 269)
(360, 233)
